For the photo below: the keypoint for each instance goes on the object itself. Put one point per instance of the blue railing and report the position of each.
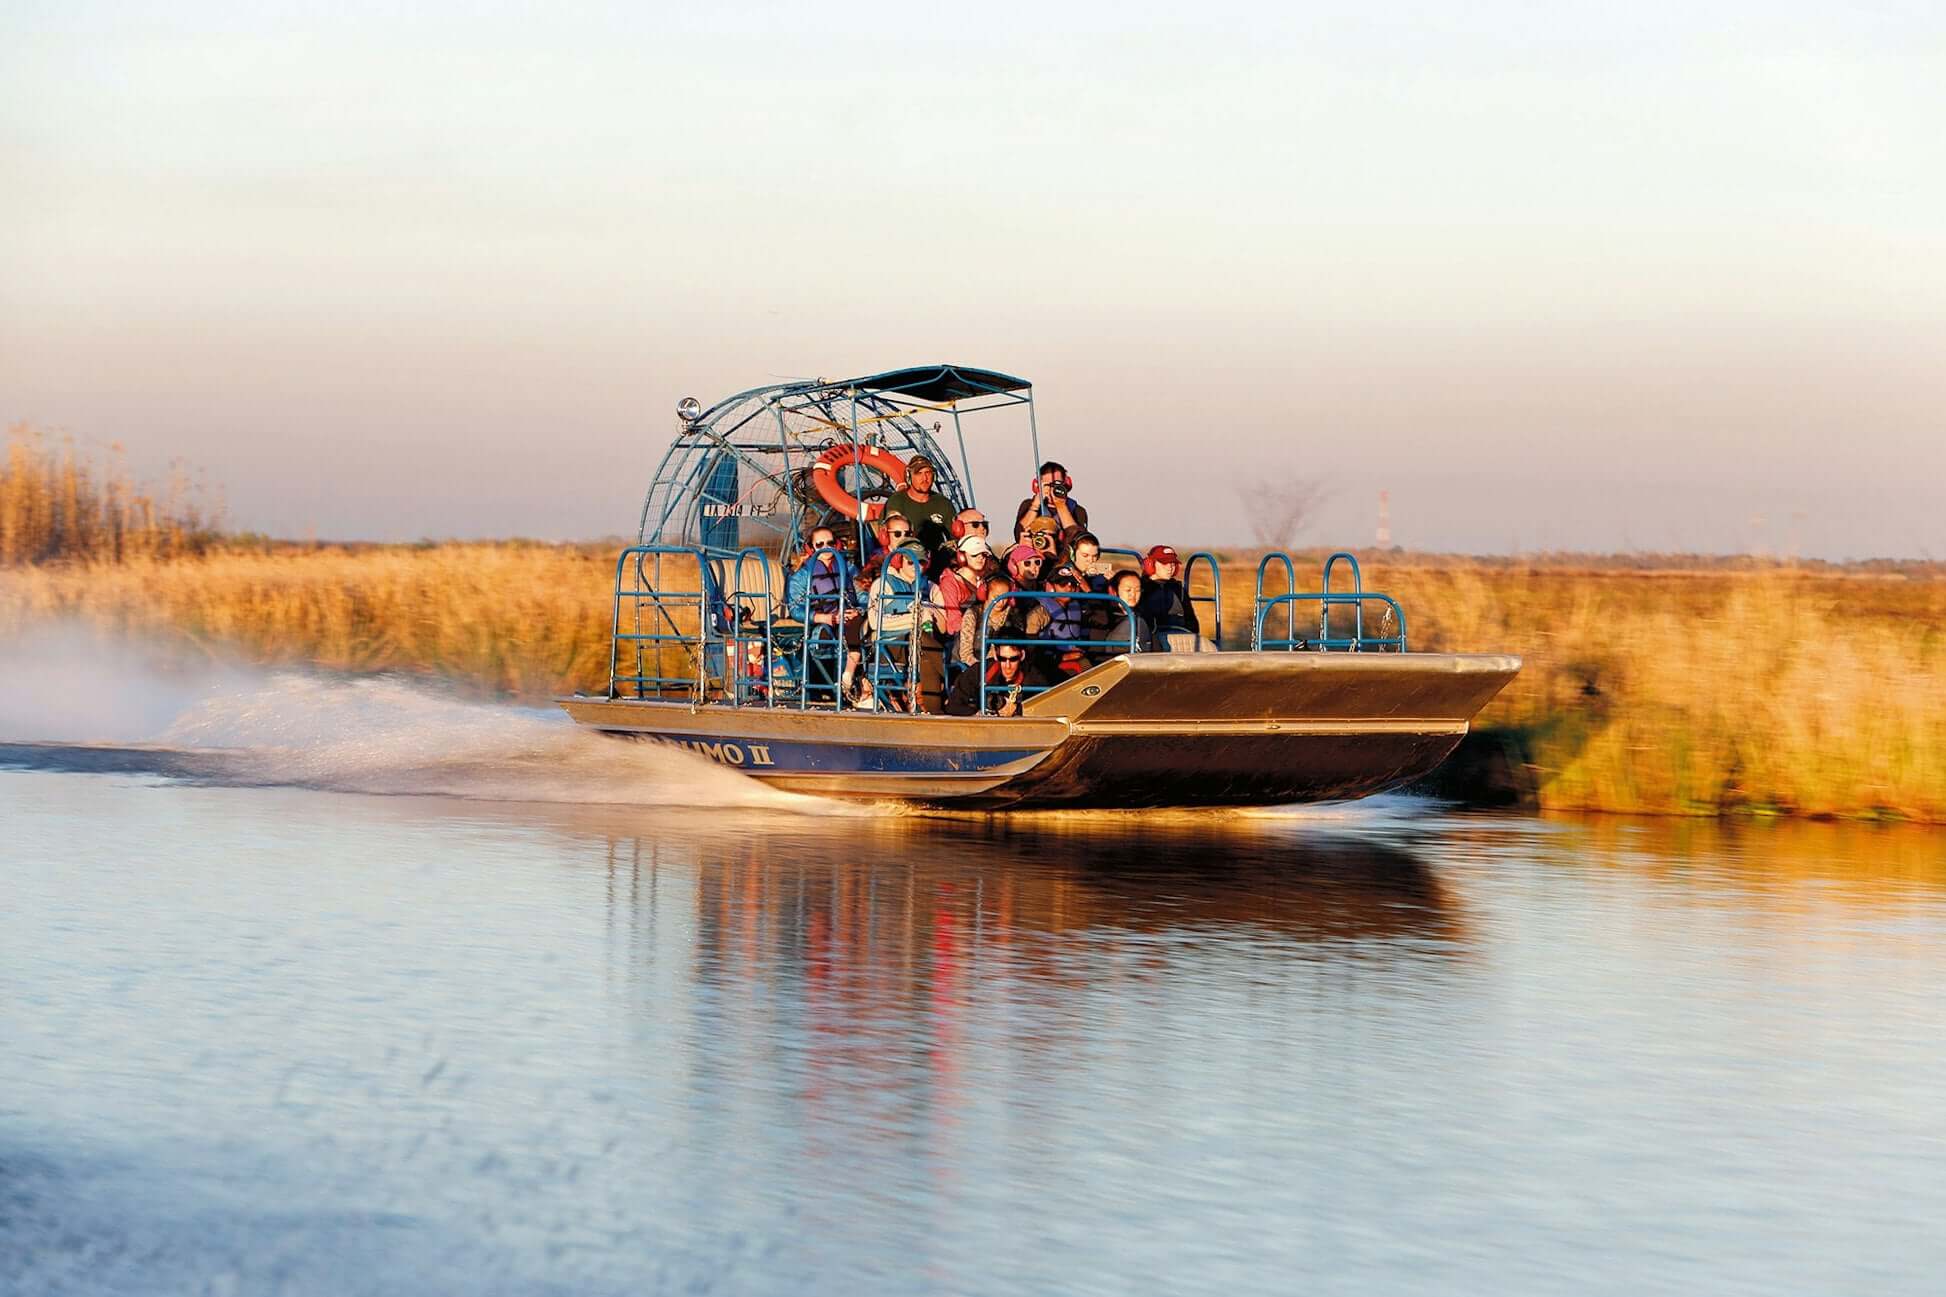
(752, 673)
(894, 672)
(650, 601)
(821, 652)
(1326, 599)
(1324, 640)
(1213, 629)
(1047, 642)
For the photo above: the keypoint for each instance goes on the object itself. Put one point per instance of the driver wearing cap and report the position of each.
(929, 511)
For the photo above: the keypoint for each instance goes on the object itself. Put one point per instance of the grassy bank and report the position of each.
(1689, 692)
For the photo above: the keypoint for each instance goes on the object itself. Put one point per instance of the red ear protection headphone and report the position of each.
(957, 528)
(1067, 480)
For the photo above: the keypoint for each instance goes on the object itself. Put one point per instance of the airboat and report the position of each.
(1326, 703)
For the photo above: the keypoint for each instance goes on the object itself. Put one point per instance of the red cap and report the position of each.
(1158, 554)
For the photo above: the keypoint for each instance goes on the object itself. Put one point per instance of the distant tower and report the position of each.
(1384, 538)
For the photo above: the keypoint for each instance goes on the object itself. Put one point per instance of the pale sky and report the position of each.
(1564, 276)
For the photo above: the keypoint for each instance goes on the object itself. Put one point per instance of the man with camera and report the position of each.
(1007, 677)
(1051, 500)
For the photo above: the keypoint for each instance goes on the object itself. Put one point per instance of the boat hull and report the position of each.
(1153, 730)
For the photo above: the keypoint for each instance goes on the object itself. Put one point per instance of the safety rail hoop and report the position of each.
(1214, 599)
(987, 640)
(841, 599)
(1326, 598)
(698, 645)
(1326, 642)
(1290, 586)
(736, 603)
(1357, 587)
(875, 616)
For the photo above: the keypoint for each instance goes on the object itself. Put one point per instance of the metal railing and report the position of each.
(1046, 642)
(824, 640)
(1214, 598)
(651, 603)
(752, 659)
(717, 637)
(1326, 600)
(895, 668)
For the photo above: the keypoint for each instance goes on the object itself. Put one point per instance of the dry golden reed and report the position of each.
(1673, 693)
(58, 503)
(1697, 692)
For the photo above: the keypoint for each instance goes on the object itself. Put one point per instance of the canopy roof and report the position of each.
(935, 383)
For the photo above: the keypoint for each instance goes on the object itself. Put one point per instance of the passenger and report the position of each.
(1003, 683)
(928, 513)
(1068, 623)
(902, 616)
(1166, 603)
(1024, 564)
(1043, 535)
(959, 587)
(966, 646)
(970, 522)
(967, 522)
(811, 596)
(1005, 619)
(1085, 557)
(1126, 585)
(1050, 500)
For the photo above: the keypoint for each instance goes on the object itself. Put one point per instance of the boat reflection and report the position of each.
(883, 981)
(885, 893)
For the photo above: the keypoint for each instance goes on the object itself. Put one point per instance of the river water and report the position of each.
(347, 988)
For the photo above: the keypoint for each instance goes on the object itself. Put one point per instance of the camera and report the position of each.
(1059, 488)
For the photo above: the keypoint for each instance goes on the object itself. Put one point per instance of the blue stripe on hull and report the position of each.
(836, 758)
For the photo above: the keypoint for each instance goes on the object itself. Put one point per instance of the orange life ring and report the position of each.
(824, 475)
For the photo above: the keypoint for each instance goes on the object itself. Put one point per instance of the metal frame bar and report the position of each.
(1290, 585)
(648, 590)
(1325, 643)
(987, 639)
(1214, 598)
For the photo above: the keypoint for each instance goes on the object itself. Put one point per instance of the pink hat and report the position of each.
(1022, 552)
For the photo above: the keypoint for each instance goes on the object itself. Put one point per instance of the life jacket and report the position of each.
(900, 594)
(956, 595)
(827, 582)
(1067, 620)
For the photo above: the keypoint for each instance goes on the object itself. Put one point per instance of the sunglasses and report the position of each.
(898, 535)
(1030, 562)
(1011, 657)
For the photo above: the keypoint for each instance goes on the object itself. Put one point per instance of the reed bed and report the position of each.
(59, 502)
(1695, 692)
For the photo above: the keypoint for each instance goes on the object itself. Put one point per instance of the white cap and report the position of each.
(974, 545)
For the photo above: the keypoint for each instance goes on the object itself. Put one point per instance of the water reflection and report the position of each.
(613, 1050)
(916, 896)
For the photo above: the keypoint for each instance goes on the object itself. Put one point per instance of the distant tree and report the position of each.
(1279, 511)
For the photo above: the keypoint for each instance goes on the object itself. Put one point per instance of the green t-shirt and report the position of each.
(931, 518)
